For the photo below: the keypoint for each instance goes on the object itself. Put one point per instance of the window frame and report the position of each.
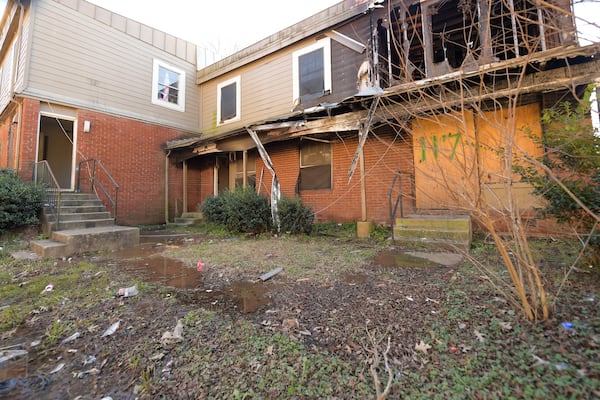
(238, 100)
(309, 142)
(156, 68)
(324, 44)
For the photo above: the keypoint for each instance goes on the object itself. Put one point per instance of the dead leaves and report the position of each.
(422, 347)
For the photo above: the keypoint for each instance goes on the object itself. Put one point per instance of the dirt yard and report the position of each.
(340, 312)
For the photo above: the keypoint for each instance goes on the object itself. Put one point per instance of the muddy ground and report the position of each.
(310, 331)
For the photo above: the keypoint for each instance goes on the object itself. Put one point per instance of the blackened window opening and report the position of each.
(228, 101)
(407, 42)
(311, 74)
(514, 34)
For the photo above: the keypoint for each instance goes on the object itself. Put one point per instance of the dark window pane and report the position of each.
(311, 73)
(228, 102)
(318, 177)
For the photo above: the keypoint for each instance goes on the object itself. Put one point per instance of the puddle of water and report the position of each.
(249, 296)
(392, 259)
(147, 262)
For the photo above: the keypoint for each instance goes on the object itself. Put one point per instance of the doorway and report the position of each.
(56, 145)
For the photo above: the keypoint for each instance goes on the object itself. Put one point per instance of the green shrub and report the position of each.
(241, 210)
(295, 217)
(20, 202)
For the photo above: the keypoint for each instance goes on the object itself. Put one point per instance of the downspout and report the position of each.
(17, 56)
(167, 186)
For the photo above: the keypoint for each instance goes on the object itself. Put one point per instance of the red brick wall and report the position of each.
(130, 150)
(384, 155)
(4, 144)
(200, 181)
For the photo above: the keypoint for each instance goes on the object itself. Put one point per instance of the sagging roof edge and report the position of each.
(591, 51)
(324, 20)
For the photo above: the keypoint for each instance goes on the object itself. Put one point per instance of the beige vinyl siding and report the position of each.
(6, 76)
(22, 62)
(80, 61)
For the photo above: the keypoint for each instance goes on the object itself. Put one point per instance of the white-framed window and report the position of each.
(168, 86)
(315, 165)
(312, 70)
(229, 101)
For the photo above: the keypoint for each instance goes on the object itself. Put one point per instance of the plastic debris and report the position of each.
(270, 274)
(57, 368)
(175, 336)
(112, 329)
(409, 298)
(567, 325)
(89, 360)
(561, 366)
(7, 355)
(200, 266)
(49, 287)
(70, 338)
(128, 292)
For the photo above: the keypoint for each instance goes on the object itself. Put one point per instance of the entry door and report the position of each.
(55, 145)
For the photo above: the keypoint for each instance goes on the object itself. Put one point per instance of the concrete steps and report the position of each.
(188, 218)
(84, 226)
(441, 230)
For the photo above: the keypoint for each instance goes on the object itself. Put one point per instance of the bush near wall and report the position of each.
(243, 210)
(20, 202)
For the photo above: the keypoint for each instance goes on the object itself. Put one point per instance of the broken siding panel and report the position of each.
(23, 51)
(83, 62)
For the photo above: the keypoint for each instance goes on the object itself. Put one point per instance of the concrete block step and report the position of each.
(79, 216)
(97, 239)
(77, 196)
(48, 248)
(77, 209)
(80, 203)
(192, 215)
(88, 223)
(450, 222)
(429, 233)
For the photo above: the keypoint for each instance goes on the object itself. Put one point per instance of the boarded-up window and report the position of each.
(168, 86)
(315, 166)
(228, 100)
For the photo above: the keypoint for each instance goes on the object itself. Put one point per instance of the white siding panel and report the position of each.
(22, 62)
(83, 62)
(5, 79)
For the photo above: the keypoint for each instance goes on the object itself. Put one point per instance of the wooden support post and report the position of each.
(185, 186)
(363, 186)
(245, 169)
(167, 187)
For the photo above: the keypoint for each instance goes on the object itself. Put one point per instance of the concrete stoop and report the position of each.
(85, 226)
(188, 218)
(77, 241)
(440, 230)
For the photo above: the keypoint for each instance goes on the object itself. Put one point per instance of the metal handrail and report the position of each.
(393, 208)
(95, 182)
(42, 175)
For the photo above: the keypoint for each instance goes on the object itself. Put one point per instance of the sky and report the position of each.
(222, 27)
(219, 28)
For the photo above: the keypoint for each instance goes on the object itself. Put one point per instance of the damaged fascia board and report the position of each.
(207, 149)
(346, 41)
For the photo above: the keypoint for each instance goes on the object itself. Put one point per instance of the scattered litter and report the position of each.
(589, 298)
(305, 333)
(72, 351)
(270, 274)
(175, 336)
(128, 292)
(49, 287)
(112, 329)
(8, 385)
(462, 325)
(200, 266)
(422, 347)
(7, 355)
(567, 325)
(89, 360)
(410, 298)
(453, 349)
(157, 356)
(70, 338)
(35, 343)
(427, 300)
(107, 398)
(93, 371)
(561, 366)
(57, 368)
(209, 290)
